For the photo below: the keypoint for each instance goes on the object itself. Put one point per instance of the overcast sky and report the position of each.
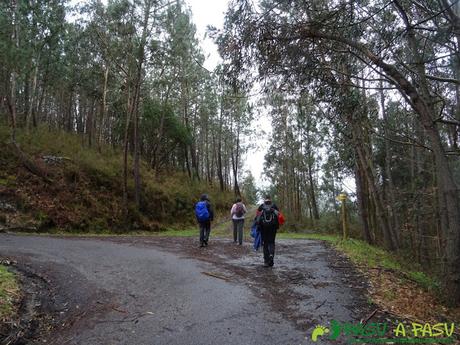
(208, 13)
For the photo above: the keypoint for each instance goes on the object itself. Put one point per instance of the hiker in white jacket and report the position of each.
(237, 213)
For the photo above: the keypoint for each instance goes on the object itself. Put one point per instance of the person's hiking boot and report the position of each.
(201, 244)
(270, 261)
(205, 243)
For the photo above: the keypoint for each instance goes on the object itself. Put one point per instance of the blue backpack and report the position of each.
(201, 211)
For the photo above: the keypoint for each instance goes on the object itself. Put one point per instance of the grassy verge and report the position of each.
(188, 231)
(221, 230)
(9, 294)
(361, 253)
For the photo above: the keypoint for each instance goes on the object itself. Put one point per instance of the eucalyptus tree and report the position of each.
(239, 114)
(403, 44)
(294, 154)
(183, 60)
(30, 35)
(249, 189)
(125, 31)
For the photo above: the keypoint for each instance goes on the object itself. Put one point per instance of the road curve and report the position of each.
(166, 291)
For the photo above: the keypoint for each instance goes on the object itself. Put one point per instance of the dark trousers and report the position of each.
(205, 229)
(238, 230)
(268, 235)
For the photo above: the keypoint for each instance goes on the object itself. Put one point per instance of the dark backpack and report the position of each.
(269, 215)
(201, 211)
(239, 210)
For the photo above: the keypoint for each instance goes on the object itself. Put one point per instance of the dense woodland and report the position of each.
(126, 74)
(376, 86)
(358, 90)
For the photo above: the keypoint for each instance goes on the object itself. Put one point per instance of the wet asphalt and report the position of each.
(150, 290)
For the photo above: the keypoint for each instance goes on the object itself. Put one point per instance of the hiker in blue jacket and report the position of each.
(268, 225)
(204, 215)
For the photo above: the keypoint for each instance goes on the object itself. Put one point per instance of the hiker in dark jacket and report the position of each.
(237, 213)
(268, 224)
(204, 215)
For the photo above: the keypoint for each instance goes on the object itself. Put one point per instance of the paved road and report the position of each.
(133, 290)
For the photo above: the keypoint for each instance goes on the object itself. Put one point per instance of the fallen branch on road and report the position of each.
(371, 315)
(216, 276)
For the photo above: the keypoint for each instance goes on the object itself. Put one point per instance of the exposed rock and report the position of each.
(7, 207)
(54, 159)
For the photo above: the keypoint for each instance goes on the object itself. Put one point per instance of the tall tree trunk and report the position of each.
(369, 174)
(187, 162)
(12, 106)
(235, 162)
(219, 151)
(137, 174)
(39, 111)
(361, 193)
(89, 123)
(448, 190)
(30, 110)
(393, 217)
(103, 108)
(12, 98)
(136, 100)
(125, 153)
(356, 117)
(312, 192)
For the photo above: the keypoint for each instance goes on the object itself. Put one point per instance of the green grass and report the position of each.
(365, 254)
(9, 290)
(178, 233)
(187, 232)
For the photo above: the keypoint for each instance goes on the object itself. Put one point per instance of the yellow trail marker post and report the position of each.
(342, 197)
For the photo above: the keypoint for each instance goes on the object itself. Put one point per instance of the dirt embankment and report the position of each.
(56, 183)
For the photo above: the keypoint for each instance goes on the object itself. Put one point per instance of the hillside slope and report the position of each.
(81, 189)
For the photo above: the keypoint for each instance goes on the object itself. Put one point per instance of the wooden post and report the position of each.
(343, 198)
